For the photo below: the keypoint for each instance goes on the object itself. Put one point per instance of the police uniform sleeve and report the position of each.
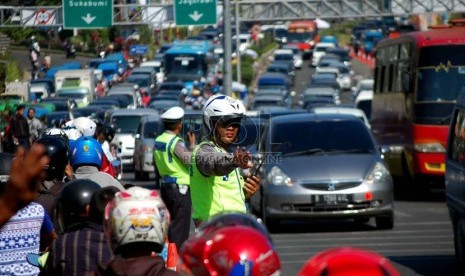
(213, 163)
(183, 153)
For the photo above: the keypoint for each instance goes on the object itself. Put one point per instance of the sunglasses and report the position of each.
(231, 122)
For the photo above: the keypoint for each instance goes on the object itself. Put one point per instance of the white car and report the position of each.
(342, 110)
(298, 60)
(157, 66)
(363, 84)
(320, 50)
(363, 101)
(126, 122)
(342, 75)
(245, 40)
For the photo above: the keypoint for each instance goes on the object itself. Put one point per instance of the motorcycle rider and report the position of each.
(34, 54)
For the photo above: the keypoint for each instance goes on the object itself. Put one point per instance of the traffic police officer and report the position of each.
(172, 160)
(216, 183)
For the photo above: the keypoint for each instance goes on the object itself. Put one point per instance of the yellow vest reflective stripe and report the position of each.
(215, 194)
(170, 167)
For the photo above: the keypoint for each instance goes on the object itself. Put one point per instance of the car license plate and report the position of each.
(331, 199)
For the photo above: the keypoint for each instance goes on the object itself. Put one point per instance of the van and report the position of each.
(454, 176)
(126, 122)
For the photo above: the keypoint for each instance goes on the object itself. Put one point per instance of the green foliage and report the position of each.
(247, 71)
(147, 38)
(18, 34)
(13, 72)
(341, 30)
(264, 45)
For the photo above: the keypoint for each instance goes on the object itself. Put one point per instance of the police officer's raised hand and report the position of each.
(242, 158)
(23, 184)
(191, 138)
(251, 185)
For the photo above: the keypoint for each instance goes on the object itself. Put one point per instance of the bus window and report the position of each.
(439, 65)
(404, 51)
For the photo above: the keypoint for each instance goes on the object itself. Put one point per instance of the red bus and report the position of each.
(303, 33)
(418, 77)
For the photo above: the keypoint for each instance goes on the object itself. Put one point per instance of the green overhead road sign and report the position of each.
(194, 12)
(87, 14)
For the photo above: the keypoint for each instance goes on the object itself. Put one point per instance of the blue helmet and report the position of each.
(86, 151)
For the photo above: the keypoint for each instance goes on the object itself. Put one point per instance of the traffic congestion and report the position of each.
(327, 156)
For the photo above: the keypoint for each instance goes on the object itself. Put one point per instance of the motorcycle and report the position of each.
(70, 51)
(117, 164)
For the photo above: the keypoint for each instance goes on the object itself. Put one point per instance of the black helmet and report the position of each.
(72, 202)
(109, 133)
(57, 150)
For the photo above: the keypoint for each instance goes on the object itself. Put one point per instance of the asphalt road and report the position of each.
(421, 242)
(22, 56)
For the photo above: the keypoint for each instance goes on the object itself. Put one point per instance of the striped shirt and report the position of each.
(79, 251)
(19, 237)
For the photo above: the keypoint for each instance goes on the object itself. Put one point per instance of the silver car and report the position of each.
(322, 166)
(126, 122)
(143, 151)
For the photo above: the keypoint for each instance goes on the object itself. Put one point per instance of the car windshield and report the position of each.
(150, 129)
(165, 86)
(277, 70)
(249, 133)
(126, 124)
(283, 57)
(333, 136)
(440, 66)
(142, 82)
(72, 95)
(324, 75)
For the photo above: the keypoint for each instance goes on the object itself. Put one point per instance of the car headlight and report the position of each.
(429, 147)
(377, 174)
(278, 178)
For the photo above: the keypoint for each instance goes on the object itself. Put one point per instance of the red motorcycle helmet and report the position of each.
(348, 261)
(229, 250)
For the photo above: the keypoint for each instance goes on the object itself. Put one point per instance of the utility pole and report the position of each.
(238, 41)
(227, 75)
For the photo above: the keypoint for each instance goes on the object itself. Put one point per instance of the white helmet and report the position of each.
(137, 215)
(36, 46)
(71, 131)
(85, 125)
(221, 107)
(54, 131)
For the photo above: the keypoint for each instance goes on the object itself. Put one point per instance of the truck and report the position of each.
(17, 91)
(77, 84)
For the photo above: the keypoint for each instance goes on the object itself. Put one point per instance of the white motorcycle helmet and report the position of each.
(36, 47)
(137, 215)
(85, 125)
(221, 107)
(71, 131)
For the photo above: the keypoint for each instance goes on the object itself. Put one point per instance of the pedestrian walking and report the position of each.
(35, 125)
(20, 129)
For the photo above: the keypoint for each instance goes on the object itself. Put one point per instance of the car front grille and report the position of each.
(330, 186)
(313, 208)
